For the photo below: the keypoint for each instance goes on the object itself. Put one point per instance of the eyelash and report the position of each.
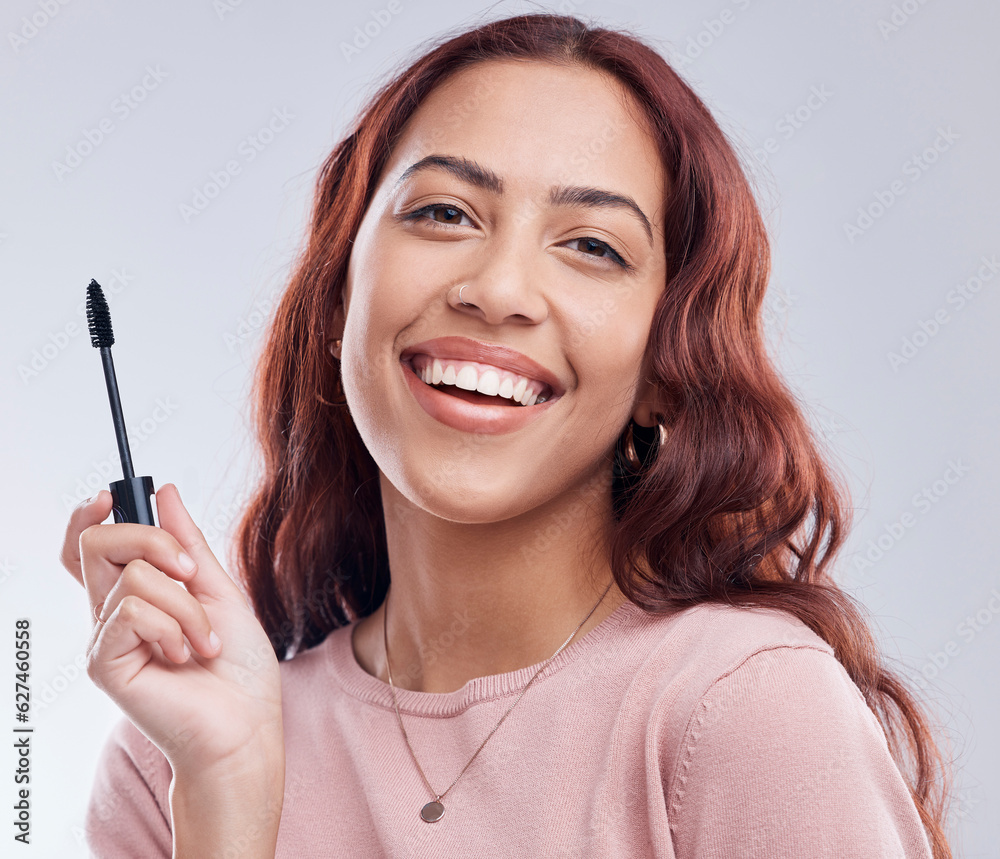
(418, 214)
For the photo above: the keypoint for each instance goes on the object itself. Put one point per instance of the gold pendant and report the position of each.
(432, 812)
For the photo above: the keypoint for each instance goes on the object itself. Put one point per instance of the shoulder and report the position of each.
(738, 629)
(721, 677)
(302, 672)
(704, 644)
(775, 740)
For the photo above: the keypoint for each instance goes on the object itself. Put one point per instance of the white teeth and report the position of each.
(489, 383)
(467, 379)
(518, 391)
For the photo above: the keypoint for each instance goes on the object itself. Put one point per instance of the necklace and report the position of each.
(434, 810)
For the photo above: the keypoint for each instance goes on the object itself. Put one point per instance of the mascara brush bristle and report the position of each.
(98, 317)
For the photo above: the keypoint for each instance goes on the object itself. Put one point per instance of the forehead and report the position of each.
(538, 124)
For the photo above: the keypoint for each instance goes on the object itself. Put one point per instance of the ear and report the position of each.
(648, 409)
(335, 331)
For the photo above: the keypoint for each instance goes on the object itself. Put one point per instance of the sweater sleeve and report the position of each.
(128, 814)
(783, 758)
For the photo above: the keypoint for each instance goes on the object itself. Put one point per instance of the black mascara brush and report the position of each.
(130, 495)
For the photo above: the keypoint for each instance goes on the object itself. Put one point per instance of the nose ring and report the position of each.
(460, 296)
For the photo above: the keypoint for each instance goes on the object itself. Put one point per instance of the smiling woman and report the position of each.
(517, 389)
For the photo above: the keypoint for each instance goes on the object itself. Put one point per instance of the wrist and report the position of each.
(249, 761)
(231, 807)
(230, 756)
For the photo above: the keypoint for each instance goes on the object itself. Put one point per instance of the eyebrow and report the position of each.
(561, 195)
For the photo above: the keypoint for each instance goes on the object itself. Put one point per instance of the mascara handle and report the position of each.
(130, 500)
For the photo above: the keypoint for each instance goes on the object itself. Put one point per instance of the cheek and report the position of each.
(608, 333)
(381, 289)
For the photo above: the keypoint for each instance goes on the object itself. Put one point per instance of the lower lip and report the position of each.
(466, 416)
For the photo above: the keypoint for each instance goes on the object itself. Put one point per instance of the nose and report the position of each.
(502, 289)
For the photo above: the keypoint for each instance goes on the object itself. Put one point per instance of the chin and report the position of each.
(462, 492)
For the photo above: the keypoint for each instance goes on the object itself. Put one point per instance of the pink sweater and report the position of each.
(718, 732)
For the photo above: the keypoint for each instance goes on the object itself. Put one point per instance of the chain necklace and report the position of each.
(434, 810)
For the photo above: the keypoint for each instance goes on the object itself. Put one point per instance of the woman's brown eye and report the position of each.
(450, 217)
(601, 250)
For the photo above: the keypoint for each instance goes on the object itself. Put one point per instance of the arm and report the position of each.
(154, 650)
(782, 758)
(232, 810)
(139, 808)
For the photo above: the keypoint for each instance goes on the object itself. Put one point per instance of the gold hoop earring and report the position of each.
(630, 455)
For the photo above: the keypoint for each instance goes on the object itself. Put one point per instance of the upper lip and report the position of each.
(503, 357)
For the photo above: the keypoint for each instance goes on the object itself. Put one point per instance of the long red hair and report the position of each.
(738, 506)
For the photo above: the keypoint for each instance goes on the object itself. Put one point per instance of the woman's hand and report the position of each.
(205, 710)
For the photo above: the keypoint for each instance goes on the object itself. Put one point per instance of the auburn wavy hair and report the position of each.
(738, 506)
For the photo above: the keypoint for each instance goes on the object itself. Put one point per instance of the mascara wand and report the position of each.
(130, 496)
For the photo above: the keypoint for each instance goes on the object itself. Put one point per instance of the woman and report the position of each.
(519, 373)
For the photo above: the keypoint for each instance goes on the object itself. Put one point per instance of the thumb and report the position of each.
(210, 579)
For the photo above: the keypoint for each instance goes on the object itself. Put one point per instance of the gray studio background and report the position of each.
(871, 129)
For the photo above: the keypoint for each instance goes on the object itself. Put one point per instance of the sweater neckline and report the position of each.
(358, 683)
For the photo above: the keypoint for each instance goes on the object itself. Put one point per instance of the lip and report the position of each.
(474, 417)
(503, 357)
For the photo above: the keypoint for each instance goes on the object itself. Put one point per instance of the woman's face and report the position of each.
(537, 188)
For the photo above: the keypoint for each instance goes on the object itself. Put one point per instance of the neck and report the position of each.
(468, 601)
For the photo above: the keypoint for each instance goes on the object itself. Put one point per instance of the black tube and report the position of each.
(130, 500)
(116, 414)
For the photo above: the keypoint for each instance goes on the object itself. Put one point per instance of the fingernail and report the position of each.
(187, 652)
(214, 640)
(186, 563)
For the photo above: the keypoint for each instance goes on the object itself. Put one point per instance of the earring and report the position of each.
(334, 347)
(631, 457)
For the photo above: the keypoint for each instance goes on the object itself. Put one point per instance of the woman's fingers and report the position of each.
(123, 561)
(134, 623)
(93, 511)
(211, 580)
(142, 580)
(106, 549)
